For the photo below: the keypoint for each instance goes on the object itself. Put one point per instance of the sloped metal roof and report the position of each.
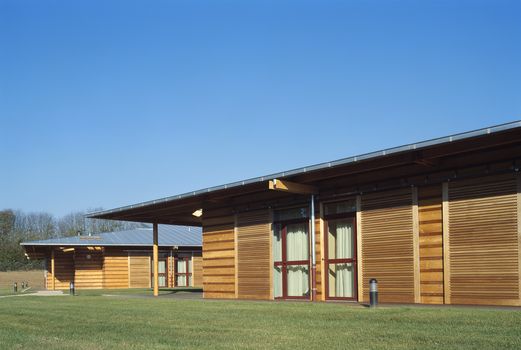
(316, 167)
(169, 235)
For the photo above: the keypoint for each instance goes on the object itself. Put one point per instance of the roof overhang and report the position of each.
(502, 142)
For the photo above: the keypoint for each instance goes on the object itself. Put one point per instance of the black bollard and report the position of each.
(71, 288)
(23, 285)
(373, 292)
(15, 287)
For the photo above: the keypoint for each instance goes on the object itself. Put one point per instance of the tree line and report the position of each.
(17, 226)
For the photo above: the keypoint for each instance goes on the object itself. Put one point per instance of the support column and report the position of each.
(313, 252)
(53, 280)
(156, 260)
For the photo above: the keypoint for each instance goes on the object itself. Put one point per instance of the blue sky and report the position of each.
(109, 103)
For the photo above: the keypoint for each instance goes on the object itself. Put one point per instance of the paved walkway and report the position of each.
(40, 293)
(173, 295)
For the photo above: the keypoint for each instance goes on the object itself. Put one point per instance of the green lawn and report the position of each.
(96, 322)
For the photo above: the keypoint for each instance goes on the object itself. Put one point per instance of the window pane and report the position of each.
(161, 266)
(189, 280)
(298, 280)
(297, 247)
(189, 265)
(161, 281)
(277, 281)
(348, 206)
(291, 214)
(340, 239)
(181, 281)
(341, 280)
(181, 266)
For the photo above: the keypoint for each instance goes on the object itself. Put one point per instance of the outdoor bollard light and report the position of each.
(15, 287)
(71, 288)
(373, 292)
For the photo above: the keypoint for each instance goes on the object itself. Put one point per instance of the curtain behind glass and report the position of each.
(297, 248)
(181, 268)
(343, 250)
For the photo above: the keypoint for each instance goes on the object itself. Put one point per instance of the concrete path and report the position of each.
(40, 293)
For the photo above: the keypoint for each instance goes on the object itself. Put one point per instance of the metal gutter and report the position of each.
(320, 166)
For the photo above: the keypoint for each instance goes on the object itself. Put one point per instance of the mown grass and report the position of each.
(96, 322)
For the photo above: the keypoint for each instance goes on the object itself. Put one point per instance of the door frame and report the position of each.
(164, 274)
(187, 274)
(284, 262)
(353, 260)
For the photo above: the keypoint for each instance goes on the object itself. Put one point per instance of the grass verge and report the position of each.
(96, 322)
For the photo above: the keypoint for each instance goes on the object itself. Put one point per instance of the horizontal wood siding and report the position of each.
(219, 258)
(88, 271)
(63, 270)
(115, 269)
(197, 271)
(253, 254)
(483, 241)
(387, 245)
(139, 266)
(431, 244)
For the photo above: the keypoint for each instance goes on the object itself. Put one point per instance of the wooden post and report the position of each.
(53, 280)
(156, 261)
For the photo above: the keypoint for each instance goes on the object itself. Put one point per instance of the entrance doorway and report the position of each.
(340, 250)
(162, 273)
(291, 254)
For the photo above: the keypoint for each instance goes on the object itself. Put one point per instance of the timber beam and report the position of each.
(291, 187)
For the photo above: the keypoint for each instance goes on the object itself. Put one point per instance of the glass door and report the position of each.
(291, 255)
(340, 252)
(161, 273)
(183, 273)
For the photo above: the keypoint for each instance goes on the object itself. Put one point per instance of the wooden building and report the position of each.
(122, 259)
(436, 222)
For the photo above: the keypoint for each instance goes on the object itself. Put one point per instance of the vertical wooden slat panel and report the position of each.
(446, 243)
(430, 244)
(360, 271)
(318, 257)
(197, 271)
(219, 257)
(253, 252)
(484, 244)
(63, 270)
(88, 272)
(387, 245)
(322, 228)
(115, 269)
(139, 270)
(416, 244)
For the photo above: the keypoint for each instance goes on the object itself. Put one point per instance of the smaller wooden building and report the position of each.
(121, 259)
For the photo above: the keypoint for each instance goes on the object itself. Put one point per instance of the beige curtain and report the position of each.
(297, 248)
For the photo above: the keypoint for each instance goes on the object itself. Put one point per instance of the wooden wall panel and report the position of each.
(219, 258)
(115, 269)
(63, 270)
(88, 271)
(387, 245)
(483, 241)
(431, 244)
(253, 255)
(318, 256)
(197, 271)
(139, 267)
